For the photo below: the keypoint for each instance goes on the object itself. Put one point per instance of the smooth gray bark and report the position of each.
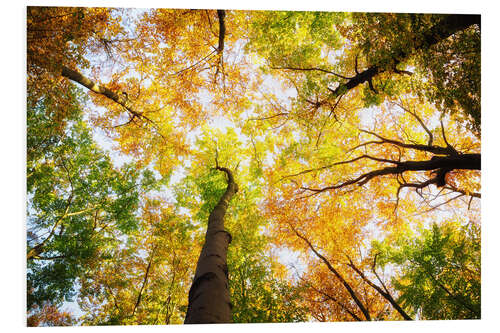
(209, 300)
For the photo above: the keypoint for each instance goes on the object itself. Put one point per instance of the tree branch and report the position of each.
(336, 273)
(307, 69)
(448, 26)
(429, 148)
(144, 282)
(336, 301)
(420, 121)
(119, 98)
(442, 165)
(383, 293)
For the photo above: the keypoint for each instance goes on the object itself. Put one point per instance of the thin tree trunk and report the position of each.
(144, 282)
(383, 293)
(209, 300)
(351, 291)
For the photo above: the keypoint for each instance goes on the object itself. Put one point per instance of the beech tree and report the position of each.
(144, 281)
(332, 130)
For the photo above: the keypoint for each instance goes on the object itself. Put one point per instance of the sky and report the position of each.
(13, 139)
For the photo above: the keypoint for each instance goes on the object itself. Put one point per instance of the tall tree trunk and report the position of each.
(209, 300)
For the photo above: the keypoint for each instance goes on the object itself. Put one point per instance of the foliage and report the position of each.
(439, 270)
(77, 203)
(49, 315)
(344, 132)
(58, 36)
(453, 65)
(145, 279)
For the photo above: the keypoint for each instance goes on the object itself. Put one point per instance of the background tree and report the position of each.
(78, 203)
(439, 270)
(145, 280)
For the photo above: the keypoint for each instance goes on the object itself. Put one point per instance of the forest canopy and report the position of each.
(216, 166)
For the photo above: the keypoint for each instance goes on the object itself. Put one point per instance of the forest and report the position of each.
(194, 166)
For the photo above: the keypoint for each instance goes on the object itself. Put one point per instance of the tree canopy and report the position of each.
(203, 166)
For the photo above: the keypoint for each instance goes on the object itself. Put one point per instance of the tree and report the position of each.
(144, 281)
(339, 129)
(257, 288)
(78, 203)
(209, 300)
(439, 275)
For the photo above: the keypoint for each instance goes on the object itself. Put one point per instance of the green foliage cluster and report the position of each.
(439, 271)
(294, 36)
(455, 67)
(256, 295)
(78, 203)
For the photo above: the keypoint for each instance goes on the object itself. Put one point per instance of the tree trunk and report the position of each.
(450, 25)
(209, 300)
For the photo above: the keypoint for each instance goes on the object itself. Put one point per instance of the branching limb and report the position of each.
(119, 98)
(335, 272)
(145, 281)
(281, 114)
(332, 112)
(330, 297)
(450, 147)
(374, 270)
(429, 148)
(420, 121)
(383, 293)
(450, 25)
(340, 163)
(441, 165)
(306, 69)
(204, 59)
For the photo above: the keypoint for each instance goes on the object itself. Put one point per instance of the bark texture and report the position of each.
(209, 300)
(221, 14)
